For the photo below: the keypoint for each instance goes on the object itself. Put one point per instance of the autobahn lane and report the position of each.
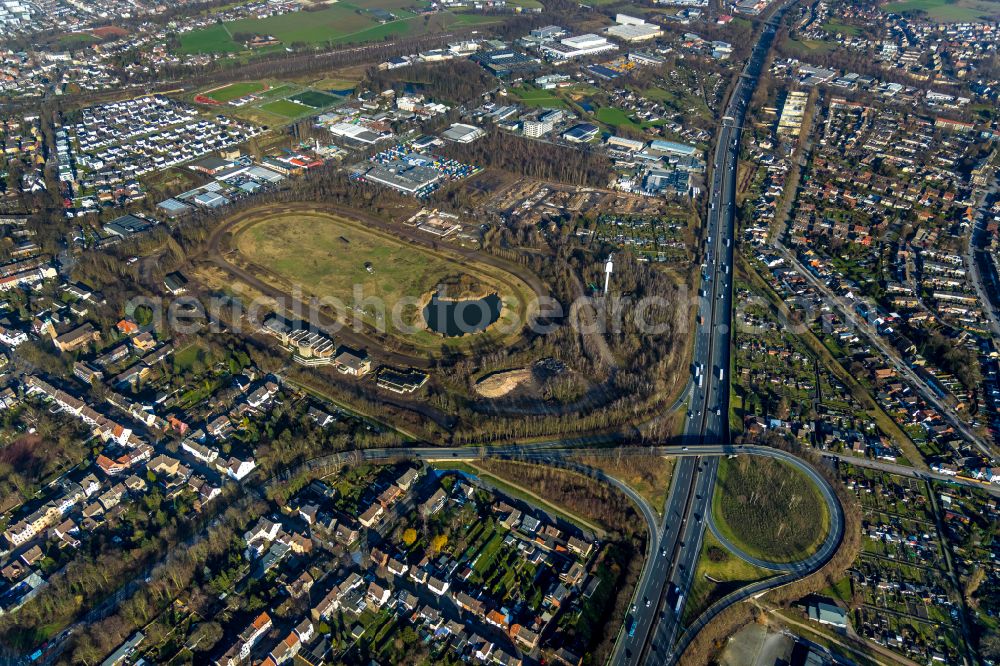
(709, 421)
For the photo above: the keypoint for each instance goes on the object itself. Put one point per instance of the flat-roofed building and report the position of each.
(462, 133)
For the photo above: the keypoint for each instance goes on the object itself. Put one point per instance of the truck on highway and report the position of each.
(631, 626)
(722, 374)
(680, 604)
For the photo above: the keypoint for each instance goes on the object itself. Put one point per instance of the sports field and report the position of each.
(316, 100)
(286, 108)
(235, 91)
(331, 257)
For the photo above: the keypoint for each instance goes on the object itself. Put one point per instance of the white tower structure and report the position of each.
(608, 267)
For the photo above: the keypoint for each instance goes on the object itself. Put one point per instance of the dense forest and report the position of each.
(453, 81)
(535, 159)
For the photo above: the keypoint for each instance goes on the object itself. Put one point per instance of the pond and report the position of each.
(452, 318)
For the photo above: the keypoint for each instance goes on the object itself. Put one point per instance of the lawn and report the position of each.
(807, 47)
(278, 91)
(286, 108)
(769, 509)
(75, 40)
(316, 100)
(235, 91)
(185, 359)
(614, 117)
(718, 573)
(339, 261)
(376, 33)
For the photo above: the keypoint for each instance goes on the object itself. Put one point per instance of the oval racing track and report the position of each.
(218, 248)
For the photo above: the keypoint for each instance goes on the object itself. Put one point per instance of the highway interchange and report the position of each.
(659, 567)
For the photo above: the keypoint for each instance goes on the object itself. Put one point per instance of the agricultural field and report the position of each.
(331, 257)
(947, 11)
(339, 23)
(769, 509)
(215, 39)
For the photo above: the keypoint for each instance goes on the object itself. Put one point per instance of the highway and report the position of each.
(683, 528)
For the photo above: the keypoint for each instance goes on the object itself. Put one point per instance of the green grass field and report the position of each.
(833, 27)
(307, 27)
(286, 108)
(278, 91)
(769, 509)
(340, 23)
(948, 11)
(316, 100)
(538, 97)
(615, 118)
(214, 39)
(75, 40)
(806, 47)
(326, 256)
(465, 18)
(236, 91)
(376, 32)
(718, 573)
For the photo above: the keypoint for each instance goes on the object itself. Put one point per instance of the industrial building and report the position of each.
(577, 47)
